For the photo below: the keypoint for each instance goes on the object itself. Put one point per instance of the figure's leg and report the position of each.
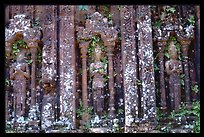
(23, 92)
(95, 100)
(171, 92)
(99, 102)
(102, 100)
(14, 104)
(18, 104)
(177, 94)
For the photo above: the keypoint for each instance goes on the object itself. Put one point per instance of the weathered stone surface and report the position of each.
(129, 63)
(47, 117)
(97, 24)
(146, 59)
(49, 51)
(20, 29)
(67, 64)
(173, 68)
(98, 130)
(178, 130)
(19, 72)
(97, 71)
(84, 46)
(59, 24)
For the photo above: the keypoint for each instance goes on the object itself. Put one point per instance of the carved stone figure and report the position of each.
(97, 71)
(173, 69)
(19, 72)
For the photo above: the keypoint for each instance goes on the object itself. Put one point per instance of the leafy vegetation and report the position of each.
(191, 20)
(185, 111)
(195, 88)
(16, 47)
(83, 7)
(80, 111)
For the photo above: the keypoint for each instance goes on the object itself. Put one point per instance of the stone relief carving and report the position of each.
(19, 72)
(97, 70)
(173, 69)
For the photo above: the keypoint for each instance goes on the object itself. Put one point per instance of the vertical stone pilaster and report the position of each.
(6, 10)
(47, 20)
(49, 51)
(197, 39)
(146, 59)
(184, 47)
(67, 64)
(161, 45)
(129, 65)
(32, 38)
(84, 49)
(109, 38)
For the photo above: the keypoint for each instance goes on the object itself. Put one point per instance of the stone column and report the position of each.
(6, 9)
(110, 43)
(146, 59)
(67, 73)
(32, 38)
(197, 39)
(184, 47)
(84, 46)
(161, 44)
(7, 63)
(9, 39)
(129, 66)
(33, 49)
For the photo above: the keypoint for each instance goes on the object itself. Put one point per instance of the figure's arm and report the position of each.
(27, 73)
(180, 67)
(12, 74)
(91, 70)
(167, 67)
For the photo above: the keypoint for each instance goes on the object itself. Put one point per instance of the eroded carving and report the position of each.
(97, 71)
(19, 72)
(173, 69)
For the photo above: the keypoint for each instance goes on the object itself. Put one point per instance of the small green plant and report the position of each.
(182, 76)
(80, 111)
(170, 9)
(160, 114)
(39, 56)
(7, 82)
(16, 45)
(139, 82)
(120, 111)
(119, 7)
(157, 24)
(36, 22)
(191, 20)
(156, 68)
(83, 7)
(194, 111)
(110, 16)
(195, 88)
(29, 62)
(86, 127)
